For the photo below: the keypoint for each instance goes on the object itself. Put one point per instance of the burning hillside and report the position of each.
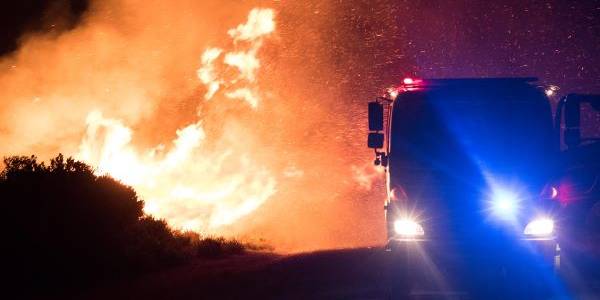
(191, 187)
(211, 114)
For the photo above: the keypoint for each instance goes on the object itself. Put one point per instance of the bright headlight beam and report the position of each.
(505, 204)
(540, 227)
(408, 228)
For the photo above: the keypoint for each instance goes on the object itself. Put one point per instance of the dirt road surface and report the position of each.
(364, 273)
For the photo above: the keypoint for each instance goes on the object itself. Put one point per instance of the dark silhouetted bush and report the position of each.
(152, 239)
(215, 247)
(69, 226)
(65, 226)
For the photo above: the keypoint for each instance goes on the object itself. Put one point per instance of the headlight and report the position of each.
(539, 227)
(408, 228)
(505, 204)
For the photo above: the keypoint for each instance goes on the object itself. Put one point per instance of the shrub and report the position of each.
(66, 225)
(216, 247)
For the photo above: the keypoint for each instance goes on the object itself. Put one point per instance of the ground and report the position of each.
(333, 274)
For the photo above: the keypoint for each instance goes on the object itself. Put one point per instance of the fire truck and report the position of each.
(472, 170)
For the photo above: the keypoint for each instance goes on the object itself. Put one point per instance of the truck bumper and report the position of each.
(468, 252)
(478, 268)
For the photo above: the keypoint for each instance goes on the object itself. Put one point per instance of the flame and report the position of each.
(260, 22)
(259, 25)
(232, 184)
(246, 130)
(246, 95)
(206, 73)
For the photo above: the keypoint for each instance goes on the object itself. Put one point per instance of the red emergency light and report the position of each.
(411, 84)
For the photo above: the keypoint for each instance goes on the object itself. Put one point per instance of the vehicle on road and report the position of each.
(469, 165)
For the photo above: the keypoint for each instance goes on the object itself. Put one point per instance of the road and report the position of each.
(364, 273)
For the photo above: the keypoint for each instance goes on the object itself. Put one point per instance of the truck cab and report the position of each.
(468, 162)
(466, 158)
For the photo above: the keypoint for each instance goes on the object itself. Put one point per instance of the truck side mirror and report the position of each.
(572, 133)
(375, 117)
(375, 140)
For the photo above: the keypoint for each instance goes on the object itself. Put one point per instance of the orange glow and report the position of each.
(160, 175)
(226, 118)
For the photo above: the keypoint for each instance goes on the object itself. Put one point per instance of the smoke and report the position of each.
(228, 118)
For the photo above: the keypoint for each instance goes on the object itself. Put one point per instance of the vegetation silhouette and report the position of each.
(68, 227)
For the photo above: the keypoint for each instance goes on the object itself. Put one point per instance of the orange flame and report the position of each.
(246, 130)
(232, 184)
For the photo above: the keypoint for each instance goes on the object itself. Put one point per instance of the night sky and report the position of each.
(373, 44)
(558, 41)
(22, 16)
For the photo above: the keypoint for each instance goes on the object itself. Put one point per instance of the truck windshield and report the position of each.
(466, 131)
